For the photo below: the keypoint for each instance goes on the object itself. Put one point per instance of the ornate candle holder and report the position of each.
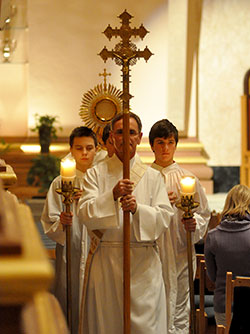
(187, 204)
(68, 191)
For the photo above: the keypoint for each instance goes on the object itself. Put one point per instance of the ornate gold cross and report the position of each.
(125, 52)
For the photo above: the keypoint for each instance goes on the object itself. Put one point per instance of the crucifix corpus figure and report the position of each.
(126, 208)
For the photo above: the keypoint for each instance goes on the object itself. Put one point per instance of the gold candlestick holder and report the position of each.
(68, 191)
(187, 205)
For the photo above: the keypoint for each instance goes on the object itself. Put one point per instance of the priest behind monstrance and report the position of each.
(106, 195)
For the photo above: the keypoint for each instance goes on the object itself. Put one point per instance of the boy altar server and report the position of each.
(163, 139)
(101, 207)
(83, 144)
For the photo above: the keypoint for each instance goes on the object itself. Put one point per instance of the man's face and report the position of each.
(117, 137)
(164, 150)
(83, 150)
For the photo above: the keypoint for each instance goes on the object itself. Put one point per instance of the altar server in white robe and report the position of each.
(101, 207)
(83, 144)
(163, 139)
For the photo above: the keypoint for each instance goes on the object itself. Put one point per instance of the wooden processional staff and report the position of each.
(188, 204)
(125, 54)
(67, 190)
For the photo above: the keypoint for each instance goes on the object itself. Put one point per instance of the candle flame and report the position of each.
(68, 163)
(187, 184)
(68, 169)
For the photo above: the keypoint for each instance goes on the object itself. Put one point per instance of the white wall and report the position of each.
(224, 60)
(64, 38)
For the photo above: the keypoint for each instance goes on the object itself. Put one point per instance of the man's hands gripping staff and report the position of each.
(123, 190)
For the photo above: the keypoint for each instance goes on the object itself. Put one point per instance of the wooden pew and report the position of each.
(204, 283)
(201, 316)
(220, 329)
(231, 283)
(26, 306)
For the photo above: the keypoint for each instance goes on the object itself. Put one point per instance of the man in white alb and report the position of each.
(106, 195)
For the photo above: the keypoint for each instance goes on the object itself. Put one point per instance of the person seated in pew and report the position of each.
(83, 146)
(227, 247)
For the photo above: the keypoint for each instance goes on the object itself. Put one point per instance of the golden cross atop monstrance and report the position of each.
(125, 53)
(104, 75)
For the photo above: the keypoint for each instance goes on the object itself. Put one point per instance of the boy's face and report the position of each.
(83, 150)
(164, 150)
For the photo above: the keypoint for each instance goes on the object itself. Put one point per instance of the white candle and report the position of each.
(188, 185)
(68, 170)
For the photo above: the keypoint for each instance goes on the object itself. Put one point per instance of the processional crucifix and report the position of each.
(125, 54)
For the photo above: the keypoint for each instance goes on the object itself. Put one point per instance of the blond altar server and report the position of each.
(163, 139)
(101, 207)
(83, 145)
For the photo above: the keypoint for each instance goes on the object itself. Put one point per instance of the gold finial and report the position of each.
(104, 74)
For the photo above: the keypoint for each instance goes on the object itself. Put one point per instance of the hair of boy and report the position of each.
(163, 129)
(131, 115)
(82, 131)
(105, 133)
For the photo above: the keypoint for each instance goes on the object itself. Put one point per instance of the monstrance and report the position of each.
(100, 105)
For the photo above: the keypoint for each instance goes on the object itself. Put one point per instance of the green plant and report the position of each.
(43, 171)
(45, 126)
(4, 148)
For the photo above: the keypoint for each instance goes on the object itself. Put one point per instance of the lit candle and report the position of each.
(68, 170)
(188, 185)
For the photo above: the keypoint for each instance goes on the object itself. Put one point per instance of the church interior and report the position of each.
(50, 64)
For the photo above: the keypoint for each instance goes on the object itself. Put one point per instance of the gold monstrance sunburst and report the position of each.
(100, 105)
